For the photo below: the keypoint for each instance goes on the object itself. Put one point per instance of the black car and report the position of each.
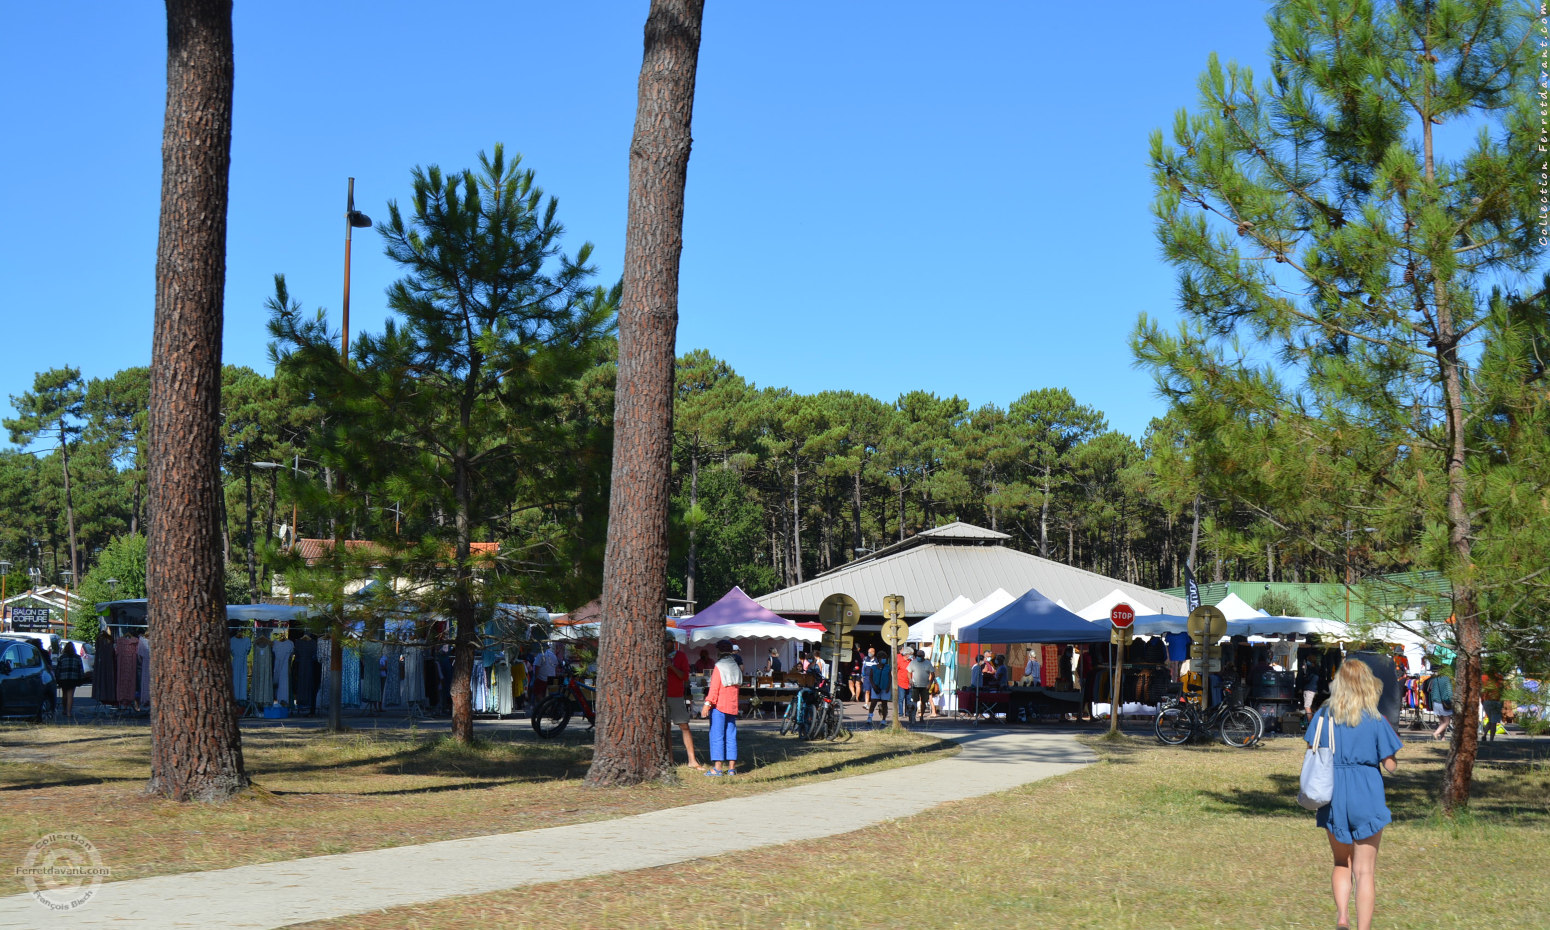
(26, 685)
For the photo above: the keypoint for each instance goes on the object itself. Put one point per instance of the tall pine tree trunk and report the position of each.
(631, 740)
(694, 551)
(1194, 535)
(1044, 518)
(64, 454)
(855, 506)
(796, 521)
(247, 488)
(196, 749)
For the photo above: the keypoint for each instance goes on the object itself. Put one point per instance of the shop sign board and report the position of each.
(31, 619)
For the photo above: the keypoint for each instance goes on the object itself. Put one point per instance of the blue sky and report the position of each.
(882, 196)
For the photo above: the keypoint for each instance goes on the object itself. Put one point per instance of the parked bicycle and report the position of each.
(553, 713)
(813, 714)
(1179, 720)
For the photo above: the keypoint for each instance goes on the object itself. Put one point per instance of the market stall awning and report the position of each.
(939, 623)
(737, 617)
(982, 608)
(1034, 618)
(1099, 609)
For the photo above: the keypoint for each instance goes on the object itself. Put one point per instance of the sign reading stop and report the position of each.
(1122, 616)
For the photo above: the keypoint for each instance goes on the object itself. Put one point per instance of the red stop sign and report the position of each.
(1122, 616)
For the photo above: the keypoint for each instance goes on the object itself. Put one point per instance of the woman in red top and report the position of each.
(721, 708)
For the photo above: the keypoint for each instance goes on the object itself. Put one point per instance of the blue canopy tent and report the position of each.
(1034, 618)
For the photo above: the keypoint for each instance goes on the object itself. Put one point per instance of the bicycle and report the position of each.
(553, 713)
(1179, 721)
(812, 714)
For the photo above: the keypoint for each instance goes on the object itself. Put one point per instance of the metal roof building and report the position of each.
(933, 567)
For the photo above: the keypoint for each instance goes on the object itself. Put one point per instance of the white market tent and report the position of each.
(991, 603)
(1234, 607)
(939, 623)
(737, 617)
(1099, 609)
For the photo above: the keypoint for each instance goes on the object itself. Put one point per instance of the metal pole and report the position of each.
(349, 227)
(1116, 666)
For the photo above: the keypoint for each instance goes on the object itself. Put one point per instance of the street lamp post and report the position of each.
(353, 220)
(5, 570)
(67, 575)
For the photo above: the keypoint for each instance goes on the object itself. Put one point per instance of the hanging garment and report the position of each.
(262, 689)
(504, 703)
(392, 683)
(283, 650)
(103, 678)
(144, 652)
(351, 685)
(126, 655)
(304, 671)
(518, 681)
(324, 650)
(239, 666)
(371, 672)
(412, 690)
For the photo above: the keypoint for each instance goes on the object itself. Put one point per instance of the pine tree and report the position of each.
(53, 407)
(1322, 233)
(631, 716)
(196, 749)
(459, 406)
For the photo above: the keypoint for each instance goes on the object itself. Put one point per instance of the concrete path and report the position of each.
(282, 893)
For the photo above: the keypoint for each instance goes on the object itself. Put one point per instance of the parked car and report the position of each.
(26, 686)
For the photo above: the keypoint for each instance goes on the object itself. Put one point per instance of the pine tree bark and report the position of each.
(196, 749)
(632, 727)
(64, 455)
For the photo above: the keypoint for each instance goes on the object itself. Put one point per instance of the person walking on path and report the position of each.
(867, 664)
(721, 708)
(70, 672)
(677, 702)
(1441, 694)
(878, 693)
(1364, 742)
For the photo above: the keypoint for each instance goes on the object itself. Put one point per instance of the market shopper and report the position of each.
(1491, 685)
(721, 707)
(1363, 743)
(677, 699)
(921, 673)
(867, 664)
(70, 672)
(1440, 693)
(878, 691)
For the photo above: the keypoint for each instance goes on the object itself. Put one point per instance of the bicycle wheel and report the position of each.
(551, 715)
(834, 721)
(1172, 726)
(787, 718)
(1242, 727)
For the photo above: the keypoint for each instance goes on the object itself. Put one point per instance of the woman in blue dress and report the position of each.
(1355, 817)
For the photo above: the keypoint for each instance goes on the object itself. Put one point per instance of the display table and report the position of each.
(772, 698)
(1038, 701)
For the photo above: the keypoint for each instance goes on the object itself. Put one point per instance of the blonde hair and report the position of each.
(1354, 693)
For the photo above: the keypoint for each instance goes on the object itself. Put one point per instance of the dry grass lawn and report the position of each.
(323, 794)
(1149, 838)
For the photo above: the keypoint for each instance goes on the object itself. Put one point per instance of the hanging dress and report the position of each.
(392, 685)
(263, 673)
(324, 651)
(412, 691)
(144, 651)
(283, 650)
(350, 686)
(103, 677)
(306, 671)
(371, 672)
(503, 702)
(239, 666)
(126, 655)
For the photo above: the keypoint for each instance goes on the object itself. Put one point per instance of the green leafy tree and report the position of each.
(53, 407)
(1322, 229)
(122, 560)
(459, 406)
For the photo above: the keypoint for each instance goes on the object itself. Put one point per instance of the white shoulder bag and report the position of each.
(1317, 784)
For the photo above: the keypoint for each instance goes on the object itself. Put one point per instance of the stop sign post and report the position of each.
(1121, 616)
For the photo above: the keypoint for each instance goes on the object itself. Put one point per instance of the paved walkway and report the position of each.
(282, 893)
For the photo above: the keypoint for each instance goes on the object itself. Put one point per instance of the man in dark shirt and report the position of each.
(1383, 669)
